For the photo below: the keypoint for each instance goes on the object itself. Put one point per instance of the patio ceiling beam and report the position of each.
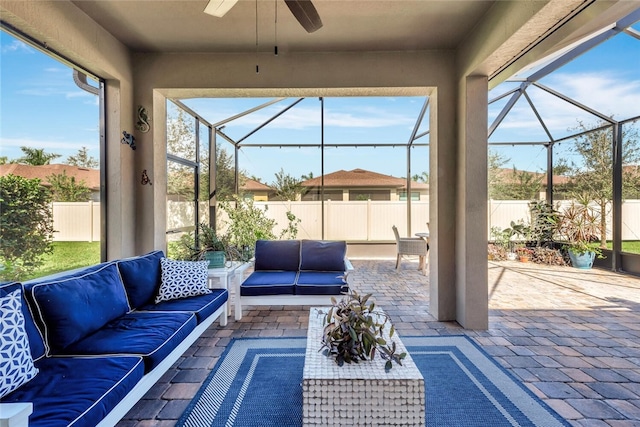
(575, 103)
(498, 98)
(249, 111)
(535, 111)
(420, 135)
(586, 45)
(224, 136)
(632, 32)
(508, 106)
(418, 122)
(316, 145)
(269, 121)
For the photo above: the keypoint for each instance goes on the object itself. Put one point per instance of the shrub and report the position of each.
(26, 226)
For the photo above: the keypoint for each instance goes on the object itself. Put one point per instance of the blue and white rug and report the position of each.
(257, 382)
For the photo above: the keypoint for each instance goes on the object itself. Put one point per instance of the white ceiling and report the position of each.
(349, 25)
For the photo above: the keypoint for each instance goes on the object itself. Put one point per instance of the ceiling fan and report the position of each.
(302, 10)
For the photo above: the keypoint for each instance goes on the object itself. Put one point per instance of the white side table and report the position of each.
(226, 275)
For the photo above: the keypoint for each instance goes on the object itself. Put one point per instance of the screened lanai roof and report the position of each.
(538, 105)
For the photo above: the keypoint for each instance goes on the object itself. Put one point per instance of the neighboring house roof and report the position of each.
(91, 177)
(506, 175)
(362, 178)
(253, 185)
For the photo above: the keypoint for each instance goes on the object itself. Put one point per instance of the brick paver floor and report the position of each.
(572, 336)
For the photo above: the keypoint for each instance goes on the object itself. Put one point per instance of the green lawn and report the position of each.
(67, 256)
(632, 246)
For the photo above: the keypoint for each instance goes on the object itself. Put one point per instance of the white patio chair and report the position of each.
(415, 246)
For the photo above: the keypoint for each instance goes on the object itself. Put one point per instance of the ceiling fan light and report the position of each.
(219, 8)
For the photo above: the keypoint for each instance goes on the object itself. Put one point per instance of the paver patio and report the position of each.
(572, 336)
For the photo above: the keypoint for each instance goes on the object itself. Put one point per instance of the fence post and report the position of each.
(90, 220)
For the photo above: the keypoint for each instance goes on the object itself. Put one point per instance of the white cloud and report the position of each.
(17, 46)
(607, 93)
(48, 145)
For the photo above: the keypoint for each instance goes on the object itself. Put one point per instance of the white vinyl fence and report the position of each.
(352, 220)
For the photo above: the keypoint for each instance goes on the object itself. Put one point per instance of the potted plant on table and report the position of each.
(578, 228)
(210, 246)
(354, 331)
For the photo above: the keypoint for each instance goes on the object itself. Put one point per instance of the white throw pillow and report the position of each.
(181, 279)
(16, 363)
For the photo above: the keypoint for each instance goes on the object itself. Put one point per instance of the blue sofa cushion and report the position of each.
(77, 391)
(269, 283)
(321, 283)
(152, 335)
(202, 305)
(36, 342)
(141, 277)
(74, 307)
(283, 255)
(322, 255)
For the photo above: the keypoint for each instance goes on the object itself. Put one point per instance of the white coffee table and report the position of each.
(225, 275)
(361, 394)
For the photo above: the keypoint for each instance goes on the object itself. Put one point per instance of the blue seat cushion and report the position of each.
(64, 394)
(269, 283)
(152, 335)
(73, 307)
(36, 342)
(321, 283)
(202, 305)
(141, 277)
(277, 255)
(322, 255)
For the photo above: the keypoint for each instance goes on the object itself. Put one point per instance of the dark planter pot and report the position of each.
(583, 261)
(216, 258)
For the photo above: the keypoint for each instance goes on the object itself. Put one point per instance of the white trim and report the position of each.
(15, 414)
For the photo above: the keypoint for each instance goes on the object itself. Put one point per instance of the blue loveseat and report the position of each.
(100, 341)
(295, 272)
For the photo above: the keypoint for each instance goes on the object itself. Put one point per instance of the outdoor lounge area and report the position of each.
(571, 336)
(173, 88)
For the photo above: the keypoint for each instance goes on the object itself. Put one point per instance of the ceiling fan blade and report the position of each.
(219, 7)
(306, 14)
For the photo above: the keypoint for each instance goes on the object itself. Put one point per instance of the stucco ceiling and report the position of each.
(349, 25)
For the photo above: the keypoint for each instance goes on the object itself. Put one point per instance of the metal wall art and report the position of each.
(143, 120)
(128, 139)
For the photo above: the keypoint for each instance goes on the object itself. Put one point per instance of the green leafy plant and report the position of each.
(246, 225)
(544, 220)
(353, 331)
(26, 226)
(207, 240)
(578, 227)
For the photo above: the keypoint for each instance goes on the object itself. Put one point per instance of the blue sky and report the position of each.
(41, 107)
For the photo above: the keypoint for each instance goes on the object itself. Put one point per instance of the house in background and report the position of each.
(256, 191)
(90, 177)
(361, 184)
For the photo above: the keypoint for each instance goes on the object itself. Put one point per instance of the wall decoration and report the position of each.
(143, 120)
(145, 178)
(128, 139)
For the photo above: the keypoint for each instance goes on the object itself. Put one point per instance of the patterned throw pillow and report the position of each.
(181, 279)
(16, 363)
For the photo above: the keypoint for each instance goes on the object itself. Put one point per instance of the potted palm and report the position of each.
(578, 228)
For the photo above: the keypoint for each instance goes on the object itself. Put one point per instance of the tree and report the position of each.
(592, 178)
(36, 156)
(83, 160)
(65, 188)
(495, 163)
(287, 187)
(4, 160)
(422, 177)
(306, 176)
(26, 226)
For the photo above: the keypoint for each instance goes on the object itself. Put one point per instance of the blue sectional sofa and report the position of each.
(99, 340)
(295, 272)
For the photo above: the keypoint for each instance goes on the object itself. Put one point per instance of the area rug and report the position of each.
(257, 382)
